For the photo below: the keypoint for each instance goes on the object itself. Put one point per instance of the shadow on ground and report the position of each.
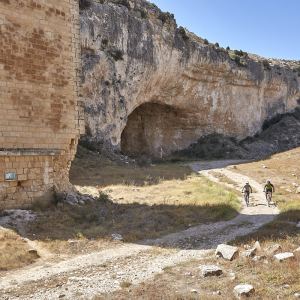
(91, 169)
(133, 221)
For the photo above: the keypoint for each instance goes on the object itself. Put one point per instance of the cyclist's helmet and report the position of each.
(269, 181)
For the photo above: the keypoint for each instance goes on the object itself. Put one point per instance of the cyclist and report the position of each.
(247, 189)
(269, 189)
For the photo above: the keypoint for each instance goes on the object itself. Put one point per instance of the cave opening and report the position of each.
(157, 130)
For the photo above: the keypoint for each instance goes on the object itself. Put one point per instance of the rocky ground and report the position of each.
(101, 273)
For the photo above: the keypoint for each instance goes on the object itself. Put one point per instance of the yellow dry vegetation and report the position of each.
(14, 251)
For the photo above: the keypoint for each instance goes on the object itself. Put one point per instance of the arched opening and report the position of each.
(156, 130)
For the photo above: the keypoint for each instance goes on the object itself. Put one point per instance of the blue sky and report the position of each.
(265, 27)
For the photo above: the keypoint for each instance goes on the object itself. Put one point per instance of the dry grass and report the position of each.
(91, 169)
(267, 276)
(272, 280)
(284, 171)
(13, 251)
(138, 213)
(194, 190)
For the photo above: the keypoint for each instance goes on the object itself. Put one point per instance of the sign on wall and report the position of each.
(10, 176)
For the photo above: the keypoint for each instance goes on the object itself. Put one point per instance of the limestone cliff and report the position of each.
(151, 87)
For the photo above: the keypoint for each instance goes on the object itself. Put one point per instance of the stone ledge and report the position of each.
(30, 152)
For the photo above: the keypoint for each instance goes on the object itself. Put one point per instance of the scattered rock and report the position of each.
(286, 286)
(258, 257)
(117, 237)
(211, 270)
(71, 199)
(298, 190)
(297, 295)
(297, 250)
(193, 291)
(33, 252)
(249, 253)
(227, 252)
(232, 276)
(218, 293)
(284, 256)
(243, 290)
(273, 249)
(61, 296)
(298, 225)
(257, 246)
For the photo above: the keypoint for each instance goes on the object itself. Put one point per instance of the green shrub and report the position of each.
(84, 4)
(266, 64)
(116, 54)
(165, 17)
(183, 34)
(217, 45)
(228, 48)
(205, 41)
(123, 3)
(239, 52)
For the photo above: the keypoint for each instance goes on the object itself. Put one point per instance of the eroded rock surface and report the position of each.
(153, 88)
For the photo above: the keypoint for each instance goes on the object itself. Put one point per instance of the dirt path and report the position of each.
(85, 276)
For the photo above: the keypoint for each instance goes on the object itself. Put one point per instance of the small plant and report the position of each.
(228, 48)
(205, 41)
(165, 17)
(125, 284)
(116, 54)
(143, 13)
(123, 3)
(103, 197)
(182, 32)
(240, 53)
(84, 4)
(217, 45)
(266, 64)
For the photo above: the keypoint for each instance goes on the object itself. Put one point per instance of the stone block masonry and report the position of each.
(39, 106)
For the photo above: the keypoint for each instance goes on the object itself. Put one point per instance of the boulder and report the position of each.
(227, 252)
(298, 190)
(243, 290)
(284, 256)
(257, 246)
(297, 295)
(71, 199)
(297, 250)
(117, 237)
(211, 270)
(34, 253)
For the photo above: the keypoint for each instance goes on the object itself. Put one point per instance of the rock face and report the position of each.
(152, 88)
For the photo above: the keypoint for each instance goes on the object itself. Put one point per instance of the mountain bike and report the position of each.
(269, 197)
(246, 197)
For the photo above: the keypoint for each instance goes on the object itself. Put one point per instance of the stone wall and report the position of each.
(39, 107)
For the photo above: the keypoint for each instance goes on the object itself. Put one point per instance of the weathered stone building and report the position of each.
(39, 112)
